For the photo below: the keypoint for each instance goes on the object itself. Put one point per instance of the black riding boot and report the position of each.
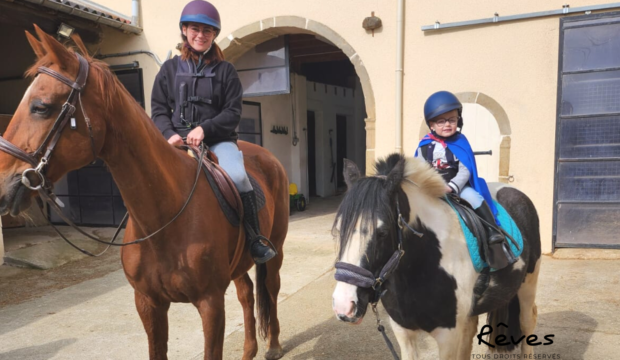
(260, 252)
(499, 254)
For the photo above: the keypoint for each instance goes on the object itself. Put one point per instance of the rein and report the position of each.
(44, 187)
(360, 277)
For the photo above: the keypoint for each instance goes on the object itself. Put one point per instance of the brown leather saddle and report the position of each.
(224, 188)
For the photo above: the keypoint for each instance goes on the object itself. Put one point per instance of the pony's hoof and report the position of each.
(273, 354)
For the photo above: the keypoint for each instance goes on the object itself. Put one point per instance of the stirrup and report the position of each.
(269, 253)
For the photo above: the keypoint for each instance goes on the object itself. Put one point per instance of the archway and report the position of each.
(243, 39)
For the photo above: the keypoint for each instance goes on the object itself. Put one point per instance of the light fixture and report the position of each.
(65, 31)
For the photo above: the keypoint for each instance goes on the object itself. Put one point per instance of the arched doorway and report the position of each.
(244, 39)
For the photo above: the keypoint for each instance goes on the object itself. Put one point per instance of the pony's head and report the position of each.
(39, 110)
(366, 224)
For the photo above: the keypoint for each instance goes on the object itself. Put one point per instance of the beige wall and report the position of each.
(514, 63)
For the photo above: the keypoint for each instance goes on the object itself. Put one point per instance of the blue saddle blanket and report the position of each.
(507, 224)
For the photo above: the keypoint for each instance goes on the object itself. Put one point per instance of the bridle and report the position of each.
(51, 140)
(44, 187)
(363, 278)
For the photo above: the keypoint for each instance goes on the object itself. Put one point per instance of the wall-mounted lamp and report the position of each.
(65, 31)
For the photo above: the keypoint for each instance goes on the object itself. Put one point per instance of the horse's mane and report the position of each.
(368, 197)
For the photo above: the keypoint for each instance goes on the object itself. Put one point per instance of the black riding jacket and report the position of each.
(212, 100)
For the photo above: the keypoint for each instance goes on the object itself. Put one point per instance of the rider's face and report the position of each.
(199, 36)
(445, 124)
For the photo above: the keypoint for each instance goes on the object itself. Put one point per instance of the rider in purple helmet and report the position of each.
(197, 96)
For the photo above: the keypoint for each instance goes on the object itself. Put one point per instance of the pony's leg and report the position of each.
(467, 338)
(245, 294)
(456, 342)
(528, 312)
(407, 340)
(155, 321)
(272, 282)
(211, 309)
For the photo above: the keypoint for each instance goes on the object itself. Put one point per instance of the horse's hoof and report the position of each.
(273, 354)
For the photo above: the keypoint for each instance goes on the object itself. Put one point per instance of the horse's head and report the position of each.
(367, 231)
(38, 118)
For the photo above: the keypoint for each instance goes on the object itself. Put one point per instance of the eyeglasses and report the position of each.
(206, 31)
(442, 122)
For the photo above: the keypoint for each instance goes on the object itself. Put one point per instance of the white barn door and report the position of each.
(482, 131)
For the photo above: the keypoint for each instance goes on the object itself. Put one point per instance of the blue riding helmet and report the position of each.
(440, 103)
(202, 12)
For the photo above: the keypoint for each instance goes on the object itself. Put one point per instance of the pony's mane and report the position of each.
(425, 177)
(110, 88)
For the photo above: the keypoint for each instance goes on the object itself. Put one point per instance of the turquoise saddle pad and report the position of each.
(507, 224)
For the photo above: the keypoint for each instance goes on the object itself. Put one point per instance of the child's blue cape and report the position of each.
(460, 147)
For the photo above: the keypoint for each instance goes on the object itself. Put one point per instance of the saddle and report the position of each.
(224, 188)
(477, 227)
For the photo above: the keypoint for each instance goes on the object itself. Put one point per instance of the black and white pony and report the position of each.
(432, 288)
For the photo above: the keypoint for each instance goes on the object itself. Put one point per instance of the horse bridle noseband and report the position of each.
(45, 186)
(360, 277)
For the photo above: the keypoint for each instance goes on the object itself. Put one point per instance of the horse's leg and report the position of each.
(211, 309)
(155, 321)
(245, 294)
(407, 340)
(467, 338)
(272, 283)
(528, 312)
(451, 341)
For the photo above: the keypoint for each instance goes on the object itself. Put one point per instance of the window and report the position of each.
(264, 70)
(250, 127)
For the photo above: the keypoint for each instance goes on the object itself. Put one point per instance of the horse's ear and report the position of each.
(36, 45)
(59, 53)
(396, 175)
(79, 43)
(351, 173)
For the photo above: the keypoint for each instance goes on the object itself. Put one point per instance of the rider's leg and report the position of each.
(499, 255)
(231, 160)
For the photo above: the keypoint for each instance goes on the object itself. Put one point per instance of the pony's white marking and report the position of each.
(519, 265)
(407, 340)
(529, 313)
(344, 299)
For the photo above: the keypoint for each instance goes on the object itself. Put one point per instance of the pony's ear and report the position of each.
(79, 43)
(36, 45)
(59, 53)
(351, 173)
(396, 175)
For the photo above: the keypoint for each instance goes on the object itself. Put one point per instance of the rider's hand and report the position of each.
(448, 189)
(195, 136)
(175, 140)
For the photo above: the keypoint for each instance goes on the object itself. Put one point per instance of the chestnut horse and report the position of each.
(193, 259)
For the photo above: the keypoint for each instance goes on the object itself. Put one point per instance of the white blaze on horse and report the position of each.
(428, 282)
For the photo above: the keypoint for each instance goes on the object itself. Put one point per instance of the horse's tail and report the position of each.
(509, 318)
(263, 300)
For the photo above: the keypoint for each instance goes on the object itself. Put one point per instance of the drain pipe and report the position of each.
(400, 24)
(135, 13)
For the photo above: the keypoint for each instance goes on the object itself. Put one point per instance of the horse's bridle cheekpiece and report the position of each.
(66, 113)
(44, 187)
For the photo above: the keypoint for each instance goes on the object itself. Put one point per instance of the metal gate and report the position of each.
(587, 181)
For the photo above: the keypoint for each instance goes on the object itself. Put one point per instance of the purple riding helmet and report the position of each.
(202, 12)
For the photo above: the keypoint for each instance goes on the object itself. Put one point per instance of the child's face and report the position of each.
(445, 124)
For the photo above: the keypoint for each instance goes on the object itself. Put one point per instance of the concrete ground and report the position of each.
(94, 317)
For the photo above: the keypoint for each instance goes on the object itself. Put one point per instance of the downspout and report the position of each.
(400, 24)
(135, 13)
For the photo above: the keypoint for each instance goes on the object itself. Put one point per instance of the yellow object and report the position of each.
(292, 189)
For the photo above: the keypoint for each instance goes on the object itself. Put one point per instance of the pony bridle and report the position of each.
(360, 277)
(50, 141)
